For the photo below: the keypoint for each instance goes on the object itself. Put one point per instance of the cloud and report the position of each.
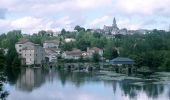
(98, 22)
(143, 7)
(34, 15)
(41, 7)
(31, 24)
(4, 25)
(2, 13)
(26, 22)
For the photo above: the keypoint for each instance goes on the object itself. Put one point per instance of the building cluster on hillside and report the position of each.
(77, 54)
(34, 54)
(52, 50)
(113, 30)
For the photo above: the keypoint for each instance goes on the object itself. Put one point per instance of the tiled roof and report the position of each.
(75, 53)
(95, 49)
(22, 41)
(122, 60)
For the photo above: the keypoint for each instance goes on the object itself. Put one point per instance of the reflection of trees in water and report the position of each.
(153, 90)
(131, 90)
(128, 87)
(3, 93)
(12, 75)
(78, 78)
(168, 93)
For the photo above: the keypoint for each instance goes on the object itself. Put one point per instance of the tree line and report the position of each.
(151, 49)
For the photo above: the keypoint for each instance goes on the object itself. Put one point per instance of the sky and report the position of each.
(30, 16)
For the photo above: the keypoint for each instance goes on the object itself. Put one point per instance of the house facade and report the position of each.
(30, 53)
(52, 54)
(20, 45)
(33, 55)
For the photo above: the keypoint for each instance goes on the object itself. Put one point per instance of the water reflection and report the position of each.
(39, 84)
(131, 90)
(30, 79)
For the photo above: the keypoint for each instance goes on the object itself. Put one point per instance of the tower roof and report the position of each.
(114, 22)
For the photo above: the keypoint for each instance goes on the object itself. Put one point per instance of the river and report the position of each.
(39, 84)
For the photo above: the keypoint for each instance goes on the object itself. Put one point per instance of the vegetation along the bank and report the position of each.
(151, 49)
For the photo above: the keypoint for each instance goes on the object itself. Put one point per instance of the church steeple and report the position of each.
(114, 23)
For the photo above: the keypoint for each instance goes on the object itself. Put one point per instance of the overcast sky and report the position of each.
(34, 15)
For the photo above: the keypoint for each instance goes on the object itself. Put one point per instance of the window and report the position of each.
(20, 45)
(30, 59)
(20, 50)
(30, 54)
(25, 54)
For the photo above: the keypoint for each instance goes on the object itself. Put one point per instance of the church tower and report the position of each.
(115, 29)
(114, 23)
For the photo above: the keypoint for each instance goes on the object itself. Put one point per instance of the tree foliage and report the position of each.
(96, 57)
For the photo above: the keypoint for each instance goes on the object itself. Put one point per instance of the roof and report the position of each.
(122, 60)
(22, 41)
(30, 48)
(95, 49)
(51, 50)
(75, 53)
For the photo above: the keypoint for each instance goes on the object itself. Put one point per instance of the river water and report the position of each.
(39, 84)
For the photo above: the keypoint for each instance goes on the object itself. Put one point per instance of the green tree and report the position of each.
(63, 31)
(78, 28)
(2, 59)
(42, 33)
(96, 57)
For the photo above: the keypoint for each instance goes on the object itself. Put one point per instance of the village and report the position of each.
(81, 49)
(59, 50)
(37, 56)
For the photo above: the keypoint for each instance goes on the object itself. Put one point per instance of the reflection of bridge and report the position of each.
(30, 78)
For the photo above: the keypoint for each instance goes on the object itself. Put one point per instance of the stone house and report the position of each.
(30, 53)
(52, 53)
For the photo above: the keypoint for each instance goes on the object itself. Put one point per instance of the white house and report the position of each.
(33, 54)
(30, 53)
(20, 45)
(51, 44)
